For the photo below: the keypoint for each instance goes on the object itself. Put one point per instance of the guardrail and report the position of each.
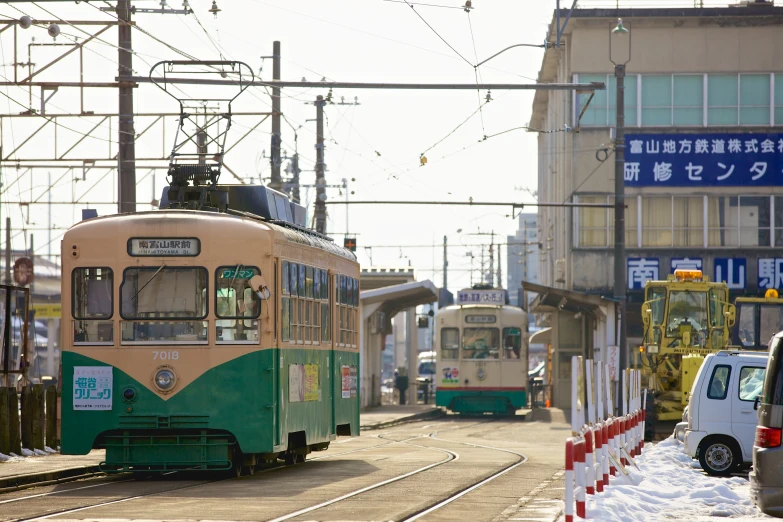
(600, 445)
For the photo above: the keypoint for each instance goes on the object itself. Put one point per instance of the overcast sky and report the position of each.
(377, 143)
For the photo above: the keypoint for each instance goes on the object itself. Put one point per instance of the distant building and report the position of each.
(703, 158)
(522, 256)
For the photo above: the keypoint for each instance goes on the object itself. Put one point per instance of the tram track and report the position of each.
(450, 457)
(434, 506)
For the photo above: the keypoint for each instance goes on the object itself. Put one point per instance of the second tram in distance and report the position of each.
(482, 359)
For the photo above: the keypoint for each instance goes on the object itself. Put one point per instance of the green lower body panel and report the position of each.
(265, 403)
(466, 400)
(168, 452)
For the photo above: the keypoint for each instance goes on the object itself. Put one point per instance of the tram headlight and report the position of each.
(165, 380)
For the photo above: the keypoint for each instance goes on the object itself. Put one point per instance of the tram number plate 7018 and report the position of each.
(165, 356)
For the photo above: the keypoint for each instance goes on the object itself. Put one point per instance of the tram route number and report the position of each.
(165, 356)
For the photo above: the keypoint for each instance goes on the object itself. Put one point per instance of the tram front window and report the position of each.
(449, 343)
(93, 305)
(480, 343)
(512, 343)
(688, 312)
(164, 304)
(237, 305)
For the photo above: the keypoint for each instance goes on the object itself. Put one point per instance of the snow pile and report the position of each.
(667, 487)
(13, 457)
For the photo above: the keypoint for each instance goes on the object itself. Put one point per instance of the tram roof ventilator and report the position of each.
(194, 169)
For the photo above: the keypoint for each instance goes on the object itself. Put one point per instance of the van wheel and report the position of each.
(719, 456)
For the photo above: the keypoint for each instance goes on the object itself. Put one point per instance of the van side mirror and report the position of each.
(756, 402)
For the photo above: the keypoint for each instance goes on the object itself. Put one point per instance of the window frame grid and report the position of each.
(576, 100)
(673, 228)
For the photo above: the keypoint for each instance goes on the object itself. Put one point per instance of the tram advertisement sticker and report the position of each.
(92, 387)
(450, 376)
(303, 383)
(348, 379)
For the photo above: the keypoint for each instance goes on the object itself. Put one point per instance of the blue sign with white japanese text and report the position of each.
(641, 270)
(732, 270)
(771, 273)
(704, 160)
(685, 263)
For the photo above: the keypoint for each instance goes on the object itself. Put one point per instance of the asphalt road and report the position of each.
(454, 468)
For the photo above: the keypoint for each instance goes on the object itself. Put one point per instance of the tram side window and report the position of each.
(93, 305)
(237, 306)
(449, 343)
(348, 303)
(480, 343)
(305, 311)
(512, 343)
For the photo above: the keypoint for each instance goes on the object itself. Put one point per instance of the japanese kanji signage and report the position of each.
(92, 387)
(175, 246)
(685, 263)
(732, 270)
(771, 273)
(700, 160)
(641, 270)
(497, 297)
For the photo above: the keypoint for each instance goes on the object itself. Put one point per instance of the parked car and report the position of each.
(721, 415)
(766, 479)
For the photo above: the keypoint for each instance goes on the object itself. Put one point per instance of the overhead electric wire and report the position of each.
(477, 75)
(438, 34)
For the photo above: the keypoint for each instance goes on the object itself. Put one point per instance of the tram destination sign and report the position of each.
(164, 246)
(480, 319)
(497, 297)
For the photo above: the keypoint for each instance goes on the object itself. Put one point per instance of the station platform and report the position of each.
(21, 472)
(379, 417)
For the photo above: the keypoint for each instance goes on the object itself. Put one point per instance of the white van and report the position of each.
(721, 414)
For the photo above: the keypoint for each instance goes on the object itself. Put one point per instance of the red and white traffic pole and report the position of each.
(569, 480)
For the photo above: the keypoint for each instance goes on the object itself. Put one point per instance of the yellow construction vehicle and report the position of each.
(758, 319)
(685, 318)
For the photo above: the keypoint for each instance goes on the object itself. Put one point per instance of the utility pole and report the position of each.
(445, 264)
(295, 181)
(276, 183)
(320, 168)
(126, 197)
(500, 269)
(8, 250)
(491, 257)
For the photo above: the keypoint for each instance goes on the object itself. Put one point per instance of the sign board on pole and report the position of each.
(613, 362)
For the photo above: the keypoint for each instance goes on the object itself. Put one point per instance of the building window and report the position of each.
(657, 100)
(679, 221)
(754, 99)
(664, 100)
(688, 221)
(595, 114)
(688, 96)
(722, 97)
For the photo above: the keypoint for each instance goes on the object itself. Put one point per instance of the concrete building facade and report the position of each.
(704, 150)
(704, 102)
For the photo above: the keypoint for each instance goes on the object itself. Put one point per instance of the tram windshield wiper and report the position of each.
(236, 273)
(149, 281)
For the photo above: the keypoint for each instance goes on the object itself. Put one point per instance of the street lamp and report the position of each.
(619, 55)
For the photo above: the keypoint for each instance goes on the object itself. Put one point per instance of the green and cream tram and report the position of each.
(482, 354)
